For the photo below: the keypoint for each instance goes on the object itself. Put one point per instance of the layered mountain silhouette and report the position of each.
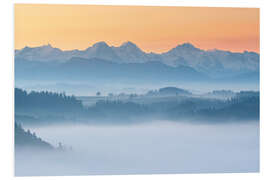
(100, 71)
(129, 60)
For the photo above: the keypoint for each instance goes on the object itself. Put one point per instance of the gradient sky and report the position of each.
(155, 29)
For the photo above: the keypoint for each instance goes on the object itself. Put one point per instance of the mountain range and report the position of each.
(213, 63)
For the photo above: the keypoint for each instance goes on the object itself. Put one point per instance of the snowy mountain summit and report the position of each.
(211, 62)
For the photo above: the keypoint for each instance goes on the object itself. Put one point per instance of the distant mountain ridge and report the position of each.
(101, 71)
(210, 62)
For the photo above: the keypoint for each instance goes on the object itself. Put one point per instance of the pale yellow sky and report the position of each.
(156, 29)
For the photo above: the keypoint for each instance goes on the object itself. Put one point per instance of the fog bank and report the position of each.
(158, 147)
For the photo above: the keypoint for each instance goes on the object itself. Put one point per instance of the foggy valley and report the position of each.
(166, 130)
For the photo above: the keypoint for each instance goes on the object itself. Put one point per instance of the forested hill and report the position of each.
(26, 139)
(46, 100)
(245, 106)
(47, 107)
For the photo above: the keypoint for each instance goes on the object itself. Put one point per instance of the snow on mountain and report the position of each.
(130, 53)
(42, 53)
(182, 53)
(211, 62)
(101, 50)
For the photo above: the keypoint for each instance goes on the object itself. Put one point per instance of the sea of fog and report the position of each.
(156, 147)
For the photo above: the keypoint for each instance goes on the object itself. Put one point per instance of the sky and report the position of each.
(153, 29)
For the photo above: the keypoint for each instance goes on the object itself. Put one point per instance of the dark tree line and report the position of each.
(46, 100)
(110, 109)
(244, 105)
(25, 139)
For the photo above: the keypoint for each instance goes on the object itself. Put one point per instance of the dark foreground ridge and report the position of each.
(26, 139)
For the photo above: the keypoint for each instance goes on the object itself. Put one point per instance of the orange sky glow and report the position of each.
(153, 29)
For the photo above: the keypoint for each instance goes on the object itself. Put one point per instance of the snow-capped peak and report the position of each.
(129, 44)
(184, 54)
(186, 46)
(101, 44)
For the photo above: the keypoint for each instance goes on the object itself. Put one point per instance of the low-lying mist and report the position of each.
(153, 147)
